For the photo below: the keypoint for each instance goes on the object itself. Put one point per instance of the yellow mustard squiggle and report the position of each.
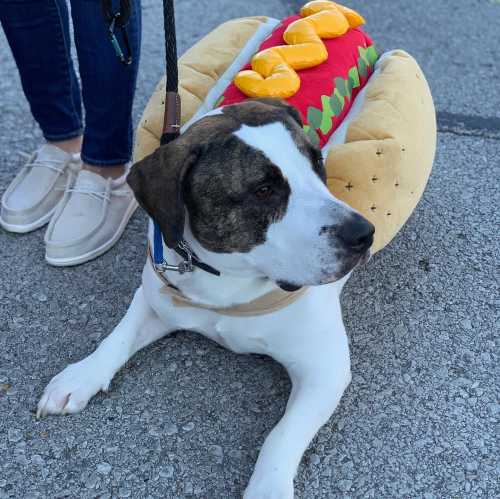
(273, 72)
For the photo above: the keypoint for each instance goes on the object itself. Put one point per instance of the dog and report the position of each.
(245, 189)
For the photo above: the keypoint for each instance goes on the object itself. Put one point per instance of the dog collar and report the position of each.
(272, 301)
(189, 262)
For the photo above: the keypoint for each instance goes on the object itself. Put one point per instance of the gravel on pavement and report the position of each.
(185, 418)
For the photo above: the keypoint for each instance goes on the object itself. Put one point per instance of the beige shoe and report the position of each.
(33, 195)
(89, 220)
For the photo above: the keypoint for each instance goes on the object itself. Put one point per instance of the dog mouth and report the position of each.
(365, 258)
(350, 264)
(361, 260)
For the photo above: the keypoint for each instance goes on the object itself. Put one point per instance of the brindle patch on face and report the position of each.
(226, 214)
(216, 175)
(221, 194)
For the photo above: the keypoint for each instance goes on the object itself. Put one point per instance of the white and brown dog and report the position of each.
(246, 190)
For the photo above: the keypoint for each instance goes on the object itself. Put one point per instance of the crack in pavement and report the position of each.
(487, 127)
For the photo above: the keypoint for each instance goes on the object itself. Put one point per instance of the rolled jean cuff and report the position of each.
(104, 163)
(51, 137)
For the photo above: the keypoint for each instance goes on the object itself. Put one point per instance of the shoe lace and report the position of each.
(99, 195)
(52, 164)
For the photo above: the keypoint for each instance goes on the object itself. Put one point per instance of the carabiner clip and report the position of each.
(124, 58)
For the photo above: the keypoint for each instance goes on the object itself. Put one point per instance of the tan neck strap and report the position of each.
(270, 302)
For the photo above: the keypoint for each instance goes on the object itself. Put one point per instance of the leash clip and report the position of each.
(116, 21)
(182, 268)
(185, 266)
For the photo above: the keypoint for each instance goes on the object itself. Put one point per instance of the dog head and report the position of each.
(253, 186)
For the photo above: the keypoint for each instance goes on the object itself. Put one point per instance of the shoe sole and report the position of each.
(24, 229)
(91, 255)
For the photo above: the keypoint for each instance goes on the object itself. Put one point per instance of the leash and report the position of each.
(171, 130)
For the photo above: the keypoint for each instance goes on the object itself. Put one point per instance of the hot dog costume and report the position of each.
(373, 116)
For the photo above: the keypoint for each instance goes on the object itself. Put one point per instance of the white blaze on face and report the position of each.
(294, 250)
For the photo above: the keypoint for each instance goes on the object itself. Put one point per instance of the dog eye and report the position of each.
(263, 192)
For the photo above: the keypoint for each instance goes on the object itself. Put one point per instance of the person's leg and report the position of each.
(38, 34)
(108, 87)
(94, 212)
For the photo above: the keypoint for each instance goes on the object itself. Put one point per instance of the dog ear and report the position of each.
(157, 182)
(283, 106)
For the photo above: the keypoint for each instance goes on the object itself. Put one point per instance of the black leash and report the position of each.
(172, 116)
(118, 20)
(171, 130)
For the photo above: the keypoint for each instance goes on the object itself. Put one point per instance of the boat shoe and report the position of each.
(89, 220)
(33, 195)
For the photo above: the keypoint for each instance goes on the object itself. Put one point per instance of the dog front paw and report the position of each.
(269, 487)
(69, 391)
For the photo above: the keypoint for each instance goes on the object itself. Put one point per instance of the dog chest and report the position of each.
(240, 336)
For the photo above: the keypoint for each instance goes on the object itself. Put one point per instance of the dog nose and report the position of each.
(356, 233)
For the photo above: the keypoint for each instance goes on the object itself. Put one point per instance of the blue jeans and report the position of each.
(38, 34)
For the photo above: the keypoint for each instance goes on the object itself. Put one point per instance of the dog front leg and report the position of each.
(319, 373)
(70, 390)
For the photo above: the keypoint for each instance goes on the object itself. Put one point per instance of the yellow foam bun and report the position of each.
(382, 168)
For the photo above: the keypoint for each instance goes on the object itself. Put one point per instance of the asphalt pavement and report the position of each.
(185, 418)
